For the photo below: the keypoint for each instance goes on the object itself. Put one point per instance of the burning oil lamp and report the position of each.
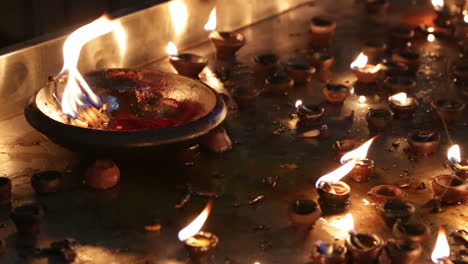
(384, 193)
(400, 83)
(441, 252)
(5, 191)
(322, 30)
(365, 73)
(309, 113)
(396, 210)
(423, 142)
(409, 57)
(344, 146)
(102, 174)
(377, 6)
(199, 244)
(329, 253)
(265, 65)
(374, 49)
(335, 93)
(226, 43)
(459, 166)
(300, 72)
(450, 189)
(379, 119)
(400, 36)
(363, 167)
(304, 213)
(403, 251)
(186, 64)
(363, 248)
(47, 182)
(278, 83)
(411, 230)
(402, 105)
(449, 110)
(27, 219)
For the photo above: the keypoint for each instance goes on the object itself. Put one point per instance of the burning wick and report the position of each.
(459, 166)
(431, 37)
(438, 4)
(362, 99)
(454, 154)
(441, 250)
(360, 62)
(172, 49)
(365, 73)
(400, 99)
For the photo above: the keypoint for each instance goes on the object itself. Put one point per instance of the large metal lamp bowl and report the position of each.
(43, 114)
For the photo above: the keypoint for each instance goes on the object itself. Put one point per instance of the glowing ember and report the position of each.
(77, 95)
(171, 49)
(196, 225)
(441, 250)
(362, 99)
(438, 4)
(359, 153)
(431, 37)
(453, 154)
(337, 174)
(360, 62)
(298, 103)
(401, 98)
(211, 24)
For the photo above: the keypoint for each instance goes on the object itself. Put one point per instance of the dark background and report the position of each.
(22, 20)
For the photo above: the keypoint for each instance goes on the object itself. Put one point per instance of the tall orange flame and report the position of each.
(77, 93)
(172, 49)
(441, 250)
(337, 174)
(453, 154)
(438, 4)
(360, 62)
(400, 98)
(359, 153)
(211, 24)
(196, 225)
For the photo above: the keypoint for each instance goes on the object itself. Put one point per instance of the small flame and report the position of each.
(337, 174)
(430, 29)
(401, 98)
(196, 225)
(298, 103)
(438, 4)
(77, 93)
(360, 62)
(465, 18)
(348, 223)
(211, 24)
(362, 99)
(453, 154)
(171, 49)
(359, 153)
(441, 250)
(431, 37)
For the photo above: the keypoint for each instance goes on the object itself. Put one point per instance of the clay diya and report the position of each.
(227, 43)
(201, 247)
(47, 182)
(364, 248)
(423, 142)
(403, 251)
(374, 49)
(300, 72)
(278, 84)
(329, 253)
(395, 209)
(400, 36)
(188, 64)
(409, 57)
(304, 213)
(449, 110)
(265, 65)
(334, 197)
(450, 189)
(322, 30)
(461, 169)
(411, 230)
(379, 119)
(363, 169)
(384, 193)
(403, 106)
(28, 219)
(377, 6)
(310, 113)
(322, 61)
(335, 93)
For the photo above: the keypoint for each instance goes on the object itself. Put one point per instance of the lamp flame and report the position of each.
(400, 98)
(196, 225)
(347, 223)
(172, 49)
(211, 24)
(431, 37)
(465, 18)
(298, 103)
(359, 153)
(441, 250)
(337, 174)
(77, 94)
(360, 62)
(453, 154)
(362, 99)
(438, 4)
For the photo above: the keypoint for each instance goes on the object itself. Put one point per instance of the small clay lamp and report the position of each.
(379, 119)
(343, 146)
(363, 169)
(322, 61)
(5, 191)
(374, 49)
(227, 43)
(47, 182)
(384, 193)
(309, 113)
(364, 248)
(400, 83)
(399, 36)
(217, 140)
(403, 106)
(461, 169)
(201, 246)
(246, 95)
(322, 30)
(450, 110)
(27, 219)
(335, 93)
(460, 71)
(102, 174)
(409, 57)
(334, 197)
(393, 68)
(423, 142)
(186, 64)
(450, 189)
(265, 65)
(403, 251)
(377, 6)
(304, 213)
(329, 253)
(365, 73)
(396, 209)
(411, 230)
(278, 84)
(300, 72)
